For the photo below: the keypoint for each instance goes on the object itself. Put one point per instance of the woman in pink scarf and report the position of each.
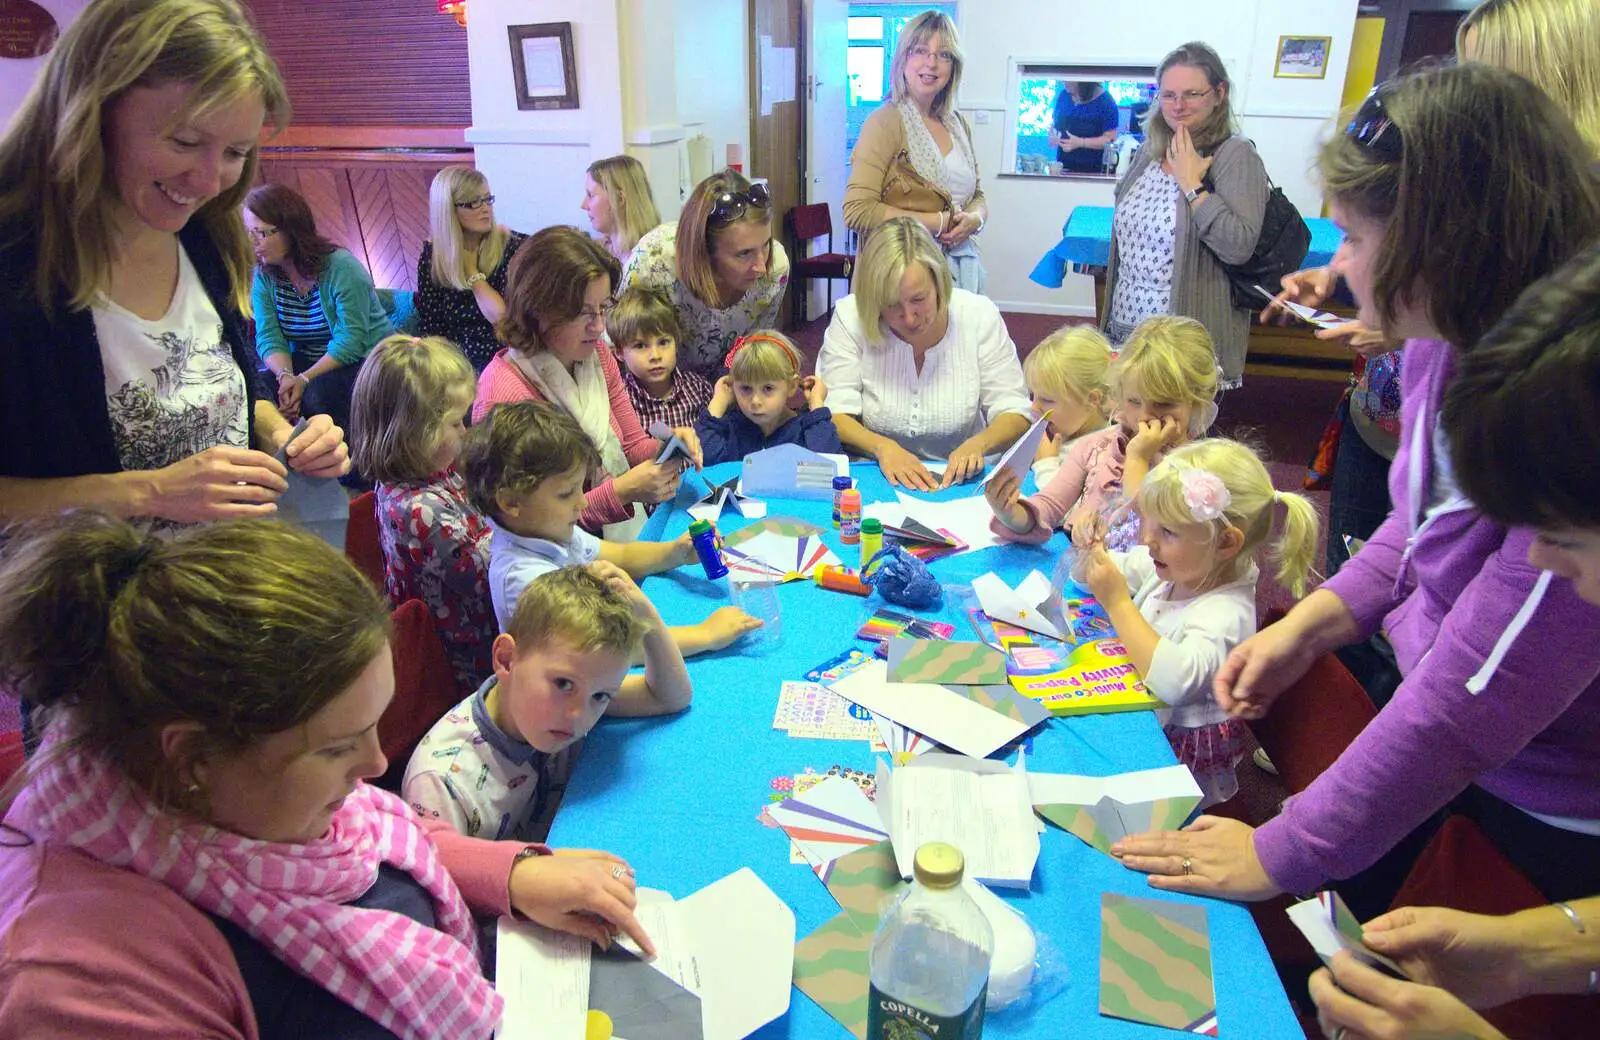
(195, 851)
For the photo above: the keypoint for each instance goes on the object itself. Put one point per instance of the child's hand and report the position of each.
(683, 551)
(1086, 526)
(1002, 492)
(1154, 437)
(1101, 576)
(1049, 445)
(726, 624)
(619, 581)
(816, 391)
(721, 398)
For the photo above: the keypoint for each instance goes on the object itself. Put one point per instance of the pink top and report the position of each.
(502, 383)
(88, 949)
(1090, 474)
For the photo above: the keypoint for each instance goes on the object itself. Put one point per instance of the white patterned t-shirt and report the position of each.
(1146, 228)
(173, 387)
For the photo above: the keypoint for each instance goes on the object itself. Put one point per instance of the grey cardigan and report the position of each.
(1228, 222)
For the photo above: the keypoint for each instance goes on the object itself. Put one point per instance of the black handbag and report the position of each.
(1281, 250)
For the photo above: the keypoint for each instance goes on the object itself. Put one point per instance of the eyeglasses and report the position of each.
(477, 203)
(588, 317)
(922, 53)
(261, 234)
(1373, 130)
(1188, 97)
(731, 205)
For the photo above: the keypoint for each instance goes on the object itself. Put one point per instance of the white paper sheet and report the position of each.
(1019, 457)
(1019, 606)
(980, 807)
(932, 710)
(543, 976)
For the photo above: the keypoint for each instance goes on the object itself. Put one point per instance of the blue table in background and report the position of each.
(680, 796)
(1086, 242)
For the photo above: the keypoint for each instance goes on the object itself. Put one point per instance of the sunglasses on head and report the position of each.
(731, 205)
(1373, 130)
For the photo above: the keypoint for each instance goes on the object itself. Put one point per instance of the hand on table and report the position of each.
(220, 483)
(1259, 669)
(1356, 1002)
(964, 464)
(319, 450)
(580, 891)
(725, 625)
(903, 469)
(1213, 856)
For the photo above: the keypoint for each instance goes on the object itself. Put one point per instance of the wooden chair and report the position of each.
(361, 540)
(424, 688)
(806, 225)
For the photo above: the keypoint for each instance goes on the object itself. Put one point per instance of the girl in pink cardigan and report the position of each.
(558, 291)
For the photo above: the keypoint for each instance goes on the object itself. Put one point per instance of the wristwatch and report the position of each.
(1193, 193)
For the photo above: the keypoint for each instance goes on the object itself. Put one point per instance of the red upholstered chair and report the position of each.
(424, 688)
(361, 542)
(1462, 869)
(1313, 721)
(806, 224)
(10, 754)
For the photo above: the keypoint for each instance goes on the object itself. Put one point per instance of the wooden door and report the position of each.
(777, 117)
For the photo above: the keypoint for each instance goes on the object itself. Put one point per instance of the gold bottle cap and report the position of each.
(939, 865)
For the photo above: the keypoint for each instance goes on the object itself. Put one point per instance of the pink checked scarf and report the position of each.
(415, 981)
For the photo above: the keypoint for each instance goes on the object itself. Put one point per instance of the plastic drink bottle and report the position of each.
(931, 956)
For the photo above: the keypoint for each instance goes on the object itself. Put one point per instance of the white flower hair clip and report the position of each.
(1205, 494)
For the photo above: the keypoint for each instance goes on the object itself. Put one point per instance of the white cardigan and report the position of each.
(967, 379)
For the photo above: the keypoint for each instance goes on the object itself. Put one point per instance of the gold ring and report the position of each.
(1188, 868)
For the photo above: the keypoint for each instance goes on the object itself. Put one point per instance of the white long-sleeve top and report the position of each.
(968, 378)
(1197, 634)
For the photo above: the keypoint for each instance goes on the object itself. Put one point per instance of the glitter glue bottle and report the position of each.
(849, 516)
(840, 486)
(871, 541)
(704, 537)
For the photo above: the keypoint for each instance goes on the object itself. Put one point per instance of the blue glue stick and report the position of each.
(704, 537)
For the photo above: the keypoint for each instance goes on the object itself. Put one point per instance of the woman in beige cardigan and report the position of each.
(1193, 199)
(915, 156)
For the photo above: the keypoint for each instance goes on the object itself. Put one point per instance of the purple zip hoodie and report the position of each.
(1501, 665)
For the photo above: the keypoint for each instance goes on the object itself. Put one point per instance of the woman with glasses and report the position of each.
(558, 293)
(461, 274)
(125, 362)
(1193, 199)
(317, 314)
(1497, 711)
(617, 200)
(915, 158)
(720, 267)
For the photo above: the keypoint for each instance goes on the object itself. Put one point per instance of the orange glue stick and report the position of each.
(840, 579)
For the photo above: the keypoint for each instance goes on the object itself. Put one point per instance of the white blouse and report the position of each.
(968, 378)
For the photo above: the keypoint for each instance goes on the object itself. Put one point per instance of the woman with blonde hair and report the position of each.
(1192, 200)
(719, 265)
(125, 363)
(558, 293)
(915, 157)
(917, 368)
(616, 197)
(206, 857)
(461, 273)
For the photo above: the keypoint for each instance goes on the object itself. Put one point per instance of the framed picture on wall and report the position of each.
(542, 61)
(1303, 57)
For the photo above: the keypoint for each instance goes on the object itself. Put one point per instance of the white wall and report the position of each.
(1284, 117)
(17, 74)
(535, 160)
(713, 76)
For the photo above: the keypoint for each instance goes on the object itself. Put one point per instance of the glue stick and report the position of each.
(840, 580)
(871, 541)
(850, 516)
(704, 538)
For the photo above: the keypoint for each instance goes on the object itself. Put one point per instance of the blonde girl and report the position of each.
(1068, 375)
(1186, 595)
(763, 375)
(408, 419)
(461, 273)
(1165, 386)
(616, 197)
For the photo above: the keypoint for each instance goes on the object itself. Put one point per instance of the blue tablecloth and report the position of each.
(1086, 242)
(679, 796)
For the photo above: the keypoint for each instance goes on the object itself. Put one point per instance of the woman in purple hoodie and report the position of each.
(1457, 188)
